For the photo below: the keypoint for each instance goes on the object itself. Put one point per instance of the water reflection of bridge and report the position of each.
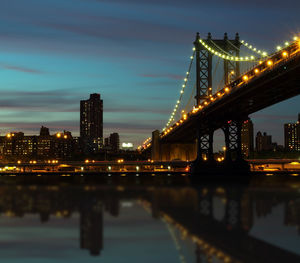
(218, 219)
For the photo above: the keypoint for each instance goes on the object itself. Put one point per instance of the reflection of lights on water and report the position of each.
(126, 204)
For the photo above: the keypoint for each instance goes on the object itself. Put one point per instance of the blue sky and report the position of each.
(54, 53)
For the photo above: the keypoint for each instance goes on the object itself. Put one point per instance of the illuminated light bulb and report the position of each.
(191, 57)
(264, 54)
(286, 43)
(235, 58)
(254, 49)
(260, 62)
(211, 98)
(185, 79)
(242, 41)
(187, 72)
(178, 101)
(227, 89)
(246, 44)
(205, 102)
(252, 57)
(250, 46)
(183, 86)
(227, 57)
(284, 54)
(245, 78)
(194, 48)
(246, 58)
(181, 91)
(269, 62)
(241, 58)
(278, 47)
(219, 94)
(256, 71)
(259, 51)
(295, 38)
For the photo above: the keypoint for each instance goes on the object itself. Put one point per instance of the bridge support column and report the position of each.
(232, 131)
(156, 147)
(205, 146)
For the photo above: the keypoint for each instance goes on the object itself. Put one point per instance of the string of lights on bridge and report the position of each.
(266, 63)
(254, 49)
(227, 57)
(185, 80)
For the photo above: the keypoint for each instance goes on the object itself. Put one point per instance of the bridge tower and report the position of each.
(232, 128)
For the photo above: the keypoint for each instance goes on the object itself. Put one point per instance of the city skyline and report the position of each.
(56, 53)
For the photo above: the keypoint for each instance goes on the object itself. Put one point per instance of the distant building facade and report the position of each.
(263, 142)
(292, 136)
(16, 145)
(247, 138)
(113, 142)
(91, 123)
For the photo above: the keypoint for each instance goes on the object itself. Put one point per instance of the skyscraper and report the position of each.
(247, 137)
(292, 135)
(114, 141)
(91, 122)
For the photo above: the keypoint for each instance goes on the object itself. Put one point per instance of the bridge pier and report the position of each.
(205, 162)
(171, 151)
(232, 131)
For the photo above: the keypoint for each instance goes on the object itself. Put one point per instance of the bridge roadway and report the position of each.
(272, 84)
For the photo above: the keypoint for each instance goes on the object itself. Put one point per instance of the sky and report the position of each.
(54, 53)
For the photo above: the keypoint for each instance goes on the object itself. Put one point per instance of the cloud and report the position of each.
(62, 100)
(20, 69)
(169, 76)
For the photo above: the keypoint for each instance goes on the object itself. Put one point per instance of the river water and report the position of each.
(257, 221)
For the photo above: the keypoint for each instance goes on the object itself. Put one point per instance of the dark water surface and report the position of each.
(255, 222)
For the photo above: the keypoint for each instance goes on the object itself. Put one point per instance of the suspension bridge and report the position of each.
(223, 99)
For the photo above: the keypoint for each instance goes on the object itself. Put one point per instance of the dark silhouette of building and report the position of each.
(63, 145)
(44, 131)
(292, 135)
(112, 142)
(263, 142)
(247, 138)
(91, 123)
(44, 143)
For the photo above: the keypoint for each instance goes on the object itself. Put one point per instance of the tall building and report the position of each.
(114, 141)
(292, 135)
(91, 122)
(263, 142)
(247, 138)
